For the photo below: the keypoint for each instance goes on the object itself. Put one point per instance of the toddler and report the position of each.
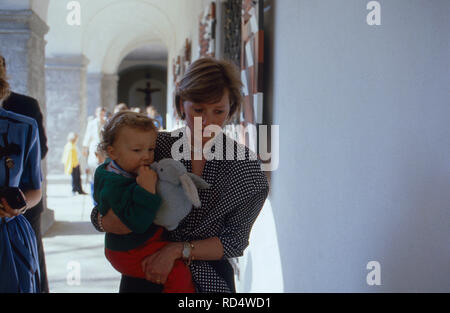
(126, 184)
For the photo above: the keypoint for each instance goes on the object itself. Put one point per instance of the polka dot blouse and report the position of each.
(229, 207)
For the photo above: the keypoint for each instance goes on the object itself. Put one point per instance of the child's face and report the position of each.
(133, 148)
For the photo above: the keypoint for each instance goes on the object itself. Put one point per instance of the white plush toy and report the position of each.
(178, 191)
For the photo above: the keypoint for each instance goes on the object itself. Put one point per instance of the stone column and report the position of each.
(109, 91)
(23, 46)
(66, 104)
(94, 92)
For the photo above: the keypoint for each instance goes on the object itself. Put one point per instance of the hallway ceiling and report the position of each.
(153, 54)
(148, 52)
(111, 29)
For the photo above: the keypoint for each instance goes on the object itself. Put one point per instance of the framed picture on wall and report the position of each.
(252, 66)
(207, 31)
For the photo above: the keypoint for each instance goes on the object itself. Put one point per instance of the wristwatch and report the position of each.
(187, 252)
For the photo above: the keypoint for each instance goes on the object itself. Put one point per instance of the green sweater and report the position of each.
(133, 205)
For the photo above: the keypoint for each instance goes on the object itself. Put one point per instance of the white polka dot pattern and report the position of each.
(229, 208)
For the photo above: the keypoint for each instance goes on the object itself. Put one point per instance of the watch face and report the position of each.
(186, 250)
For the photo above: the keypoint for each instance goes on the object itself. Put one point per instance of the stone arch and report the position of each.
(134, 46)
(113, 60)
(116, 36)
(132, 73)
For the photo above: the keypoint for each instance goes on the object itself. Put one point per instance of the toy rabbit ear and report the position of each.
(198, 181)
(190, 190)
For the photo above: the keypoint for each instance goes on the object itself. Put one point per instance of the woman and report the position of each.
(28, 106)
(220, 228)
(19, 167)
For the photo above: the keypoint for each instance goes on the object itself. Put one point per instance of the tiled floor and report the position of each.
(74, 250)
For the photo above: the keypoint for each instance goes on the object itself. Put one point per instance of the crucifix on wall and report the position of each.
(148, 93)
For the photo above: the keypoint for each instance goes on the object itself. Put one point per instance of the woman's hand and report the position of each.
(7, 211)
(112, 224)
(158, 266)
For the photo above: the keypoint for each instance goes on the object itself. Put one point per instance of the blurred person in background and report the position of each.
(91, 141)
(71, 163)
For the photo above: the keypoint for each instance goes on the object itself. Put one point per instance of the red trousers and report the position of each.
(130, 263)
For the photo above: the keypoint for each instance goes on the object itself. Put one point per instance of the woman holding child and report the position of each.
(220, 228)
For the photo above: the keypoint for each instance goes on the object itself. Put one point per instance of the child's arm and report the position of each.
(135, 206)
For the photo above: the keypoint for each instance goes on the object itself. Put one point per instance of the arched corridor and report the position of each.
(357, 114)
(100, 53)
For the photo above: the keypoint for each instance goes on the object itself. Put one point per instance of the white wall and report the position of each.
(364, 121)
(40, 7)
(259, 269)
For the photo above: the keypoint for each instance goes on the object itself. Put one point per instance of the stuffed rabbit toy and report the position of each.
(178, 191)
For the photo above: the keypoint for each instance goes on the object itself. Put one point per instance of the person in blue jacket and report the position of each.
(28, 106)
(20, 159)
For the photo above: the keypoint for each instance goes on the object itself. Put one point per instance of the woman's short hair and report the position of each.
(4, 85)
(206, 80)
(123, 119)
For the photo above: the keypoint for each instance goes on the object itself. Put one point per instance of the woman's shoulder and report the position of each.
(240, 154)
(169, 136)
(244, 166)
(164, 143)
(18, 118)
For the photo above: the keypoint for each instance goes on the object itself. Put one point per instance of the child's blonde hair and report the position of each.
(123, 119)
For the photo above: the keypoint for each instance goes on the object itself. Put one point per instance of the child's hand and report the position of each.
(147, 179)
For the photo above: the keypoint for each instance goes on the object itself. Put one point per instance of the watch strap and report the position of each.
(187, 252)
